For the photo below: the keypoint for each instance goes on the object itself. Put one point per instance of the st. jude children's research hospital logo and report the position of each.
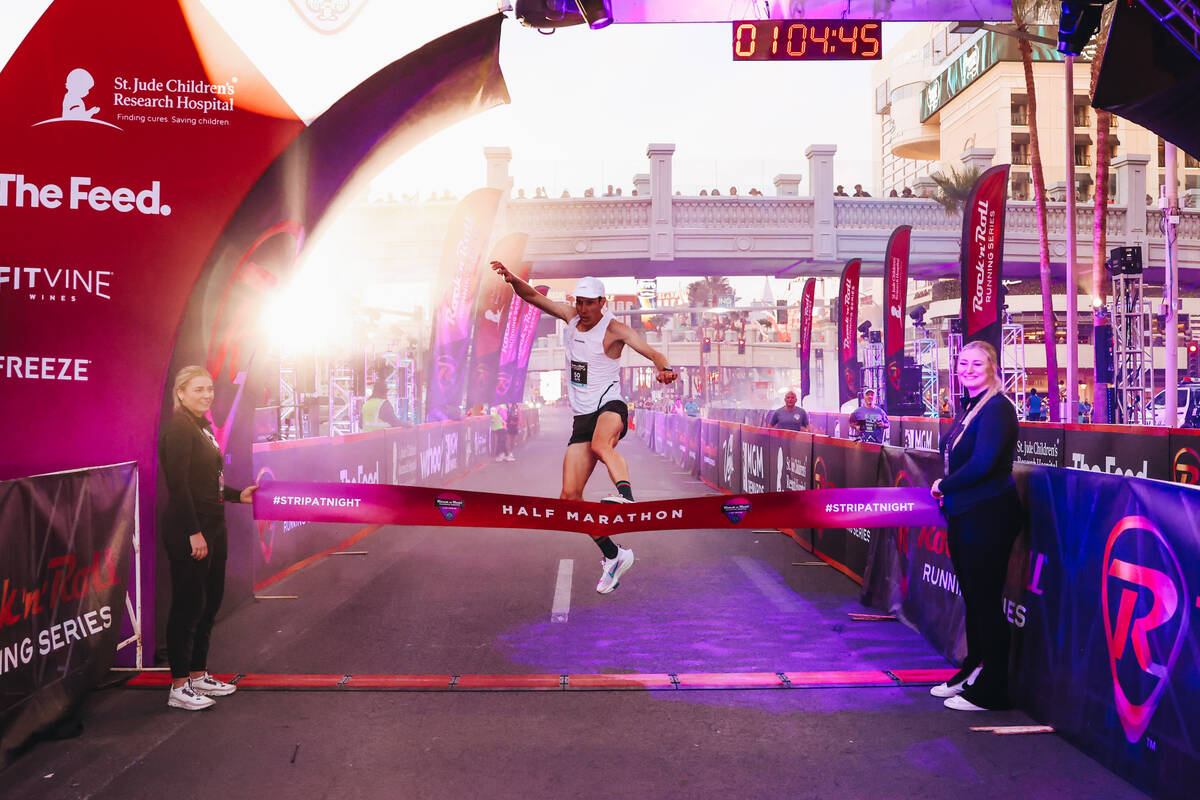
(1143, 598)
(78, 84)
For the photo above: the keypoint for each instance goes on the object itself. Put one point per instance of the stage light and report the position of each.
(917, 315)
(596, 13)
(706, 346)
(741, 347)
(1078, 24)
(545, 14)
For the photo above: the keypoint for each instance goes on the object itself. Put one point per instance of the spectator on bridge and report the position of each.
(566, 194)
(609, 193)
(733, 190)
(893, 193)
(840, 192)
(907, 192)
(194, 536)
(704, 192)
(589, 192)
(618, 191)
(789, 416)
(859, 191)
(869, 421)
(715, 193)
(984, 516)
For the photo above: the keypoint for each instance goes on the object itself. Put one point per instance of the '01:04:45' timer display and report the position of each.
(810, 40)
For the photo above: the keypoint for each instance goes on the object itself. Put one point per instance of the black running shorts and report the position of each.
(585, 424)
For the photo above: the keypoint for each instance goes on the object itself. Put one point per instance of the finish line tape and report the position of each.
(385, 504)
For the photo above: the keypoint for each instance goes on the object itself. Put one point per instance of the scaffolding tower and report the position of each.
(1012, 363)
(1133, 362)
(289, 402)
(954, 345)
(872, 369)
(925, 356)
(342, 399)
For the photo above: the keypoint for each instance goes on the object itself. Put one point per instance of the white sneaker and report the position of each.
(616, 498)
(511, 457)
(500, 457)
(949, 689)
(185, 697)
(613, 569)
(209, 686)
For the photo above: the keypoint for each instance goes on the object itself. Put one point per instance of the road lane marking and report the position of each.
(562, 591)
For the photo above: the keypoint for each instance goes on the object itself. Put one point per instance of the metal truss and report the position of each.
(1181, 19)
(1012, 365)
(925, 356)
(1133, 362)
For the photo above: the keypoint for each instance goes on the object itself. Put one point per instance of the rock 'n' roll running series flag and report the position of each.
(806, 314)
(983, 257)
(895, 264)
(458, 280)
(848, 366)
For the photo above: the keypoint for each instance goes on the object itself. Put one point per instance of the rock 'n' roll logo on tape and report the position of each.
(449, 505)
(735, 509)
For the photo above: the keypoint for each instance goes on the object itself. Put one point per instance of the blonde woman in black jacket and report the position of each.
(195, 538)
(983, 518)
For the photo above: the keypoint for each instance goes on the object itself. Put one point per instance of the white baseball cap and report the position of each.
(589, 287)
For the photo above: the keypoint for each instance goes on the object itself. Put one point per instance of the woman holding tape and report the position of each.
(984, 516)
(194, 536)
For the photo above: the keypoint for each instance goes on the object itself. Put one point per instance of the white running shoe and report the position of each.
(511, 457)
(613, 569)
(616, 498)
(209, 686)
(185, 697)
(951, 688)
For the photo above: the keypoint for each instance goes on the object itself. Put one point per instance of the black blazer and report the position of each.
(981, 463)
(192, 465)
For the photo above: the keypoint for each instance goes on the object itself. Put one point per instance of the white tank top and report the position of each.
(593, 378)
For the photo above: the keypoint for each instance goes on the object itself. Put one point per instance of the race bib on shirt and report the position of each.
(579, 373)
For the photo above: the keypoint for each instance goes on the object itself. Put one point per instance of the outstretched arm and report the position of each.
(639, 344)
(532, 296)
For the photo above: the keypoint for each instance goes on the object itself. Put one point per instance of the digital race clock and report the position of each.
(807, 40)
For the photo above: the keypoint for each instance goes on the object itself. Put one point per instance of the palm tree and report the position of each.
(955, 188)
(709, 290)
(1026, 12)
(1100, 202)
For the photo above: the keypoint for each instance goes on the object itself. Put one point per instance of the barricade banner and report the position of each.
(919, 433)
(459, 274)
(530, 315)
(1185, 456)
(838, 426)
(1041, 443)
(491, 312)
(66, 540)
(710, 451)
(819, 422)
(895, 286)
(660, 434)
(848, 377)
(421, 506)
(838, 464)
(1132, 451)
(730, 437)
(690, 455)
(1110, 655)
(755, 478)
(982, 257)
(808, 298)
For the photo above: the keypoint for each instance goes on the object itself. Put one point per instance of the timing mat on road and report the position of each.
(667, 681)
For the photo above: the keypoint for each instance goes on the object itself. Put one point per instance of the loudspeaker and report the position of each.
(956, 325)
(1102, 338)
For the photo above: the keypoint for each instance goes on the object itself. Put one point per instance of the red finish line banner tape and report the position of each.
(383, 504)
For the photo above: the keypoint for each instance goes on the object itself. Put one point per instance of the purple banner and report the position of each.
(495, 299)
(530, 314)
(848, 377)
(806, 318)
(458, 280)
(895, 285)
(510, 343)
(983, 257)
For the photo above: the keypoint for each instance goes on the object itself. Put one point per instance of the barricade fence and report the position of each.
(1103, 583)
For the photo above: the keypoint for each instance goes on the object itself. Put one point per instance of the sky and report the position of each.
(585, 104)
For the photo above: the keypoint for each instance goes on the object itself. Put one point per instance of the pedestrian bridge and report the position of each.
(659, 233)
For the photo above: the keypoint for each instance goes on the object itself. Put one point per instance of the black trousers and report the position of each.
(197, 588)
(981, 540)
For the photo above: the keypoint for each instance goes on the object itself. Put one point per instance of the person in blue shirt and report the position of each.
(789, 416)
(1036, 407)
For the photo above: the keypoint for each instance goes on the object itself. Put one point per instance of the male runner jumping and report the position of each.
(593, 340)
